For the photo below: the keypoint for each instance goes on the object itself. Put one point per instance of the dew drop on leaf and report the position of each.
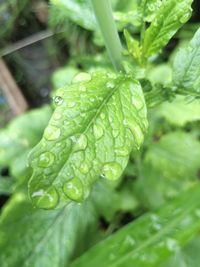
(58, 100)
(45, 198)
(122, 151)
(111, 171)
(82, 88)
(71, 104)
(98, 131)
(185, 17)
(110, 84)
(82, 77)
(80, 143)
(46, 159)
(137, 102)
(51, 133)
(73, 189)
(84, 168)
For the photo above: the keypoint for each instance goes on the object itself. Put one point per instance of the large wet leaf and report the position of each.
(98, 120)
(186, 66)
(169, 168)
(151, 239)
(34, 238)
(170, 17)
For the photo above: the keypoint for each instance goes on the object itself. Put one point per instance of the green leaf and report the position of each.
(170, 17)
(22, 134)
(188, 257)
(151, 239)
(133, 46)
(98, 120)
(78, 11)
(172, 155)
(169, 168)
(186, 67)
(149, 9)
(6, 185)
(33, 237)
(63, 76)
(183, 112)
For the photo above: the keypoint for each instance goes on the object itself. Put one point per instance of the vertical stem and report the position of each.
(104, 16)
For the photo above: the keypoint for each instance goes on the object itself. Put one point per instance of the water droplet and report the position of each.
(122, 151)
(111, 171)
(71, 104)
(82, 77)
(110, 84)
(46, 159)
(73, 189)
(84, 168)
(129, 240)
(137, 133)
(171, 244)
(51, 133)
(45, 198)
(58, 100)
(57, 116)
(185, 17)
(137, 102)
(82, 88)
(98, 131)
(80, 143)
(111, 75)
(102, 115)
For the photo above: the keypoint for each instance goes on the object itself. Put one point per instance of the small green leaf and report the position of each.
(151, 239)
(98, 120)
(149, 9)
(133, 46)
(186, 67)
(170, 17)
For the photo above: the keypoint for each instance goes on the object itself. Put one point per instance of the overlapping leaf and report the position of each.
(151, 239)
(183, 112)
(186, 67)
(170, 17)
(96, 124)
(33, 237)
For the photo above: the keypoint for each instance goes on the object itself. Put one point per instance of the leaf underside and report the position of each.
(97, 122)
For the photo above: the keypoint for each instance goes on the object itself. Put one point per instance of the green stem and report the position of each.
(104, 16)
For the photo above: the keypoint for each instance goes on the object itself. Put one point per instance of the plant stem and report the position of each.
(104, 16)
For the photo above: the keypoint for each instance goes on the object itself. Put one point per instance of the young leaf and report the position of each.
(98, 120)
(169, 18)
(186, 67)
(149, 9)
(151, 239)
(34, 238)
